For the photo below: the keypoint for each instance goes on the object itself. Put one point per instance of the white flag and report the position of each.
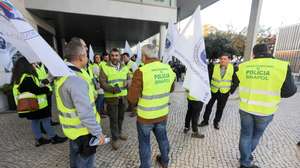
(21, 35)
(172, 35)
(138, 54)
(91, 53)
(127, 48)
(190, 50)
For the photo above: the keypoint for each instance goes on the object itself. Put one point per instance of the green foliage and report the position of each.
(224, 42)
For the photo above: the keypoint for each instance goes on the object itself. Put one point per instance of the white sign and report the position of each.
(21, 35)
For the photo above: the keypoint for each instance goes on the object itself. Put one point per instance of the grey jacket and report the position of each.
(74, 94)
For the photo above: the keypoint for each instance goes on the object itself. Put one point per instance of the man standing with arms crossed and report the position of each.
(264, 80)
(75, 101)
(150, 90)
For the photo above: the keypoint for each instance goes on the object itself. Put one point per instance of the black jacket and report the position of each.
(28, 85)
(288, 88)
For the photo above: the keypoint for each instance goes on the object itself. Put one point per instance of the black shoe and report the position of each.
(158, 159)
(57, 139)
(252, 166)
(298, 144)
(216, 126)
(53, 123)
(203, 124)
(251, 157)
(41, 141)
(197, 135)
(186, 130)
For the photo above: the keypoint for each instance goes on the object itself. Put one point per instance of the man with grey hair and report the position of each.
(150, 91)
(77, 112)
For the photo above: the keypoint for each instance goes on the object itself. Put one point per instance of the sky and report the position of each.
(275, 13)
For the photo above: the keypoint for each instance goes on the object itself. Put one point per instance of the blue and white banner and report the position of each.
(18, 32)
(189, 48)
(127, 49)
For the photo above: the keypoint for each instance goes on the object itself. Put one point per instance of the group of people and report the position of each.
(262, 82)
(119, 82)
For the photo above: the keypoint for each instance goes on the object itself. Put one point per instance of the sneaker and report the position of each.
(186, 130)
(57, 139)
(203, 124)
(216, 126)
(42, 141)
(252, 166)
(123, 137)
(115, 145)
(197, 135)
(158, 160)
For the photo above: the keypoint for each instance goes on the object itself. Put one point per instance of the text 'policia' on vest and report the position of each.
(154, 102)
(260, 85)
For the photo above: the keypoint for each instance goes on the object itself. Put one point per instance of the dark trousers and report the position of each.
(192, 114)
(221, 102)
(116, 117)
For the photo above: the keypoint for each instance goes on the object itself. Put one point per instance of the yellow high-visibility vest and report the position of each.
(68, 117)
(115, 77)
(129, 66)
(261, 80)
(221, 84)
(42, 99)
(157, 82)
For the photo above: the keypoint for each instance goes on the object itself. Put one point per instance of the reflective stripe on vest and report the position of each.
(157, 82)
(115, 77)
(68, 117)
(261, 80)
(219, 83)
(42, 99)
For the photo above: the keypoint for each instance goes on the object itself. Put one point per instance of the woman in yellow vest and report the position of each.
(264, 80)
(25, 80)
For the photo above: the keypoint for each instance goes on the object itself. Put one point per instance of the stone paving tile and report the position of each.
(219, 149)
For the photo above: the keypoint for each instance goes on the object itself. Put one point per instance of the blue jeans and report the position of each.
(100, 103)
(36, 128)
(252, 128)
(160, 132)
(77, 161)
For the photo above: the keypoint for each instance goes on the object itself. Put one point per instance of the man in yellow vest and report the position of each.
(222, 83)
(75, 101)
(114, 76)
(150, 91)
(263, 81)
(132, 66)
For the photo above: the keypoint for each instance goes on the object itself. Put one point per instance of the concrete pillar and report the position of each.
(162, 39)
(252, 27)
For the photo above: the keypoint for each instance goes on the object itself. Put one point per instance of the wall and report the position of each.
(109, 8)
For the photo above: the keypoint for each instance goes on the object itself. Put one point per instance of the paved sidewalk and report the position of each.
(219, 149)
